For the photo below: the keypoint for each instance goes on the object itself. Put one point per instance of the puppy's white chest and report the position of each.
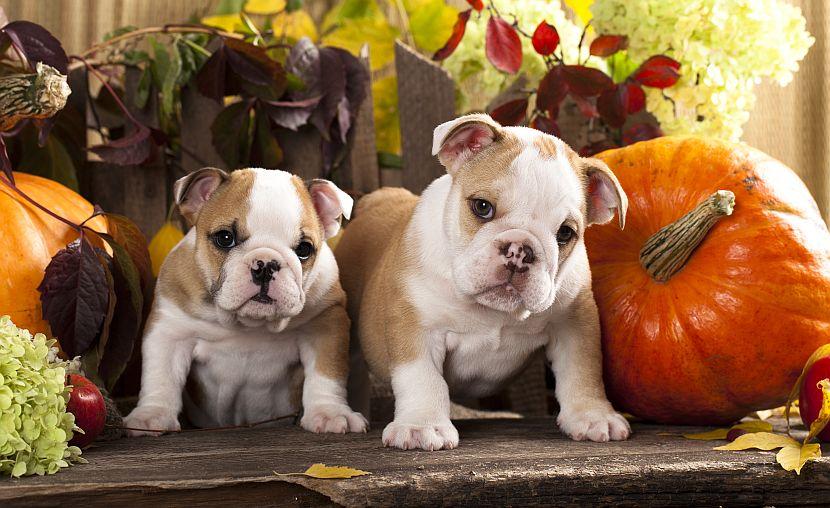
(244, 377)
(478, 363)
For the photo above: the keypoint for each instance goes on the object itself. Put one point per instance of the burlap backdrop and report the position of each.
(792, 123)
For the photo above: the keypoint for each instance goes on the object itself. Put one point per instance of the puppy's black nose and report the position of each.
(517, 256)
(263, 272)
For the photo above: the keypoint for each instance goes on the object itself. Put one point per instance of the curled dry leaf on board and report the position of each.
(748, 427)
(327, 472)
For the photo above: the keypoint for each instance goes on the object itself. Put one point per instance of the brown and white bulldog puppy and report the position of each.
(247, 303)
(451, 293)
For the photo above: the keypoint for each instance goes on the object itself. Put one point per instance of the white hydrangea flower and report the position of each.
(725, 47)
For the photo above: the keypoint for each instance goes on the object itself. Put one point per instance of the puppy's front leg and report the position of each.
(166, 355)
(324, 353)
(422, 406)
(575, 352)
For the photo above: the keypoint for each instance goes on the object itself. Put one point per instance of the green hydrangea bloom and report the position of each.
(34, 425)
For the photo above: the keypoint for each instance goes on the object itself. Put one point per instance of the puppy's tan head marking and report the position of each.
(191, 192)
(603, 193)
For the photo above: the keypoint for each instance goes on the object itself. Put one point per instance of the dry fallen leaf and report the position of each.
(761, 441)
(824, 413)
(793, 458)
(749, 427)
(328, 472)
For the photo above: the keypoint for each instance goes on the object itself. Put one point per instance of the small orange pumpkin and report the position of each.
(30, 239)
(707, 313)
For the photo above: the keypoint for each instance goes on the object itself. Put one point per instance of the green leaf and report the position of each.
(431, 23)
(120, 31)
(267, 152)
(351, 9)
(160, 63)
(142, 92)
(293, 5)
(229, 6)
(168, 88)
(231, 134)
(50, 161)
(135, 57)
(390, 160)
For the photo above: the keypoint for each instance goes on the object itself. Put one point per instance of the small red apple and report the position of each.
(810, 395)
(87, 404)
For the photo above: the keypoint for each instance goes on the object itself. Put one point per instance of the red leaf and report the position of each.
(36, 43)
(502, 45)
(612, 105)
(546, 124)
(607, 45)
(641, 132)
(658, 71)
(586, 81)
(511, 112)
(127, 234)
(586, 107)
(130, 150)
(552, 91)
(545, 38)
(636, 97)
(75, 296)
(5, 163)
(457, 34)
(596, 147)
(476, 4)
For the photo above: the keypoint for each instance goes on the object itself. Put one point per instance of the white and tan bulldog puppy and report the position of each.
(452, 293)
(247, 303)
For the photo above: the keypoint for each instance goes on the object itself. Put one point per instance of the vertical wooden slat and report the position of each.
(426, 98)
(360, 172)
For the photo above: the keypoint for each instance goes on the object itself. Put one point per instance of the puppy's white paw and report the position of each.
(156, 419)
(334, 418)
(594, 425)
(441, 436)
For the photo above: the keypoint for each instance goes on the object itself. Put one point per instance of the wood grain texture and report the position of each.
(426, 95)
(499, 462)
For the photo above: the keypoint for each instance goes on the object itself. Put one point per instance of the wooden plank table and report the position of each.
(499, 462)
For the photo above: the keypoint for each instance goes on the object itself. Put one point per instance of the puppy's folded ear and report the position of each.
(330, 203)
(456, 141)
(192, 191)
(604, 193)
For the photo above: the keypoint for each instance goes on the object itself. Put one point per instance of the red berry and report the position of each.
(87, 404)
(810, 397)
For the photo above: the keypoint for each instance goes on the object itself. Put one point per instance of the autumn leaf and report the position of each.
(658, 71)
(431, 23)
(476, 4)
(607, 45)
(327, 472)
(225, 22)
(545, 39)
(511, 112)
(750, 426)
(502, 45)
(793, 458)
(294, 25)
(167, 237)
(823, 417)
(455, 37)
(582, 9)
(761, 441)
(264, 7)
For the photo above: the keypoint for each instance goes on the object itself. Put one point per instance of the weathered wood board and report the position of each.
(499, 462)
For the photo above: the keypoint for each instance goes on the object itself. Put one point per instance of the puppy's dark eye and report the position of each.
(224, 239)
(304, 250)
(565, 235)
(482, 208)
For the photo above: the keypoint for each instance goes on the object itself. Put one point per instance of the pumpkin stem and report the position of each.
(665, 253)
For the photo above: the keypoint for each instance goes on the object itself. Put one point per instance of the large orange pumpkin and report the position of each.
(30, 239)
(708, 338)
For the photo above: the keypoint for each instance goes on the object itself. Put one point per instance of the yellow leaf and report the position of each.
(352, 34)
(759, 440)
(326, 472)
(824, 413)
(582, 9)
(351, 9)
(750, 426)
(793, 458)
(264, 7)
(387, 120)
(167, 237)
(708, 436)
(294, 25)
(431, 24)
(226, 22)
